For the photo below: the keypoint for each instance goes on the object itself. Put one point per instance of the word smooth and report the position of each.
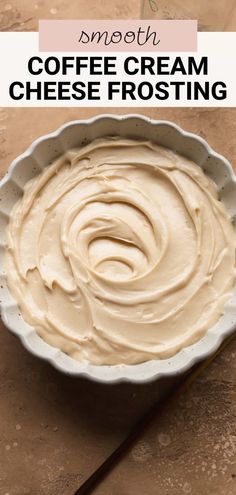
(106, 38)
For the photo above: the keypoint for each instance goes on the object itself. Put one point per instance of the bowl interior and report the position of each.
(41, 153)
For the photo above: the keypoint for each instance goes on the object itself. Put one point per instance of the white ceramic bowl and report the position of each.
(78, 133)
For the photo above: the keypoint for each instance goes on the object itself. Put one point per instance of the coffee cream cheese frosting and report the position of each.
(120, 252)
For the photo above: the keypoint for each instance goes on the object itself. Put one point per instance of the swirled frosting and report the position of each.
(120, 252)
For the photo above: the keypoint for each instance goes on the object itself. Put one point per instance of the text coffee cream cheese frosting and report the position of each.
(120, 252)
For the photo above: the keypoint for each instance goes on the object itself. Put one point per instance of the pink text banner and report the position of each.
(117, 35)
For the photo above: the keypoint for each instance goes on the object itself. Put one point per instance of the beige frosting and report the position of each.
(120, 252)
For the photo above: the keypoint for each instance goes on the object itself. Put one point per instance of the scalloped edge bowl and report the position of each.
(78, 133)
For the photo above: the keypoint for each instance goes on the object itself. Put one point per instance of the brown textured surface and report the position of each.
(54, 431)
(23, 15)
(211, 15)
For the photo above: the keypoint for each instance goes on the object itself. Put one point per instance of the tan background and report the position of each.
(23, 15)
(55, 430)
(212, 15)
